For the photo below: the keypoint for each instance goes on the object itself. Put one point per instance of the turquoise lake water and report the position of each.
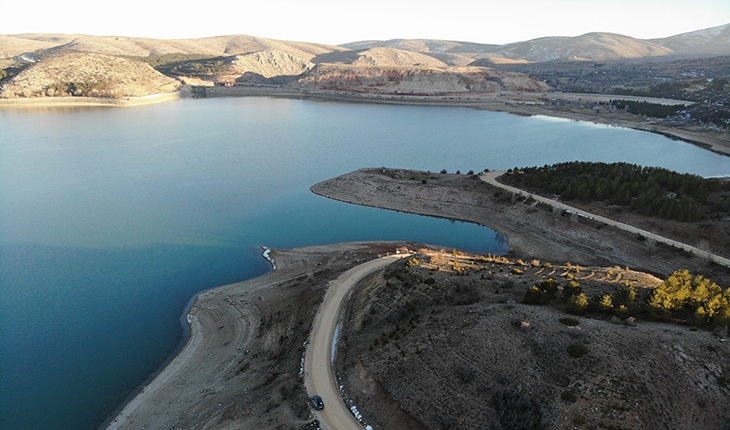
(112, 219)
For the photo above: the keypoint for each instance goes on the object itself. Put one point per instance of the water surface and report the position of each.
(111, 219)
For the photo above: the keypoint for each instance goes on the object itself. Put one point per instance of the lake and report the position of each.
(112, 219)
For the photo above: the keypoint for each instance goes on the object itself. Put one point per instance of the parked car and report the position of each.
(316, 403)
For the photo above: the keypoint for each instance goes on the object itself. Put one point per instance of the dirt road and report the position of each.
(491, 178)
(319, 377)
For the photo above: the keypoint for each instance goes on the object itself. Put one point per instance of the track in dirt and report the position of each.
(319, 376)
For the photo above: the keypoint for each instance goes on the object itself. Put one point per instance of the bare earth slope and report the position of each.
(267, 64)
(702, 43)
(110, 76)
(416, 80)
(446, 343)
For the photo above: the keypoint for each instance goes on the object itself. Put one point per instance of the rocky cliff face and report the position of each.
(83, 74)
(416, 80)
(267, 64)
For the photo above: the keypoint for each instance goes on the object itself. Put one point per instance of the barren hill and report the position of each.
(443, 341)
(88, 74)
(142, 47)
(450, 52)
(380, 57)
(588, 47)
(268, 64)
(702, 43)
(399, 66)
(416, 80)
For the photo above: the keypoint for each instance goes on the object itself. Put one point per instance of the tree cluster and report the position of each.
(623, 302)
(698, 90)
(654, 110)
(202, 67)
(681, 292)
(651, 191)
(680, 297)
(166, 61)
(78, 88)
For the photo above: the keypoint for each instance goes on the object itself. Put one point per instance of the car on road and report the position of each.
(316, 403)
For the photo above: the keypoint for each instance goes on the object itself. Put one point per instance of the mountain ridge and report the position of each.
(251, 59)
(593, 46)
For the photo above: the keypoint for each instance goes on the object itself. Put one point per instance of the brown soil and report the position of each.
(447, 344)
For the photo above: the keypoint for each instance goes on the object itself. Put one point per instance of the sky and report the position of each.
(338, 22)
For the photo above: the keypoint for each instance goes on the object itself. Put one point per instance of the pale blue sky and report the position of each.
(336, 22)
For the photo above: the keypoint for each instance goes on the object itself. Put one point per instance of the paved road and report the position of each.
(491, 178)
(319, 376)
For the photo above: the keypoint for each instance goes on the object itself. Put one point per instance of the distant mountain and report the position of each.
(449, 52)
(588, 47)
(14, 45)
(709, 42)
(34, 65)
(381, 57)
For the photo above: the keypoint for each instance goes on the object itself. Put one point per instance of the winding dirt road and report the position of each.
(319, 375)
(491, 178)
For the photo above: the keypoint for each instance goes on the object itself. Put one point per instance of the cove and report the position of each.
(111, 219)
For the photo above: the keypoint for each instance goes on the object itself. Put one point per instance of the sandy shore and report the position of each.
(76, 102)
(242, 364)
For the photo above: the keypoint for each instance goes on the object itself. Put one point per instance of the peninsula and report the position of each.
(249, 361)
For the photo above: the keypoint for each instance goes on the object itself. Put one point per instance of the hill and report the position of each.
(588, 47)
(444, 340)
(415, 80)
(416, 66)
(84, 74)
(709, 42)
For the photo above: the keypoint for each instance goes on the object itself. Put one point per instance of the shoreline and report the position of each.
(255, 329)
(85, 102)
(533, 230)
(525, 104)
(185, 325)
